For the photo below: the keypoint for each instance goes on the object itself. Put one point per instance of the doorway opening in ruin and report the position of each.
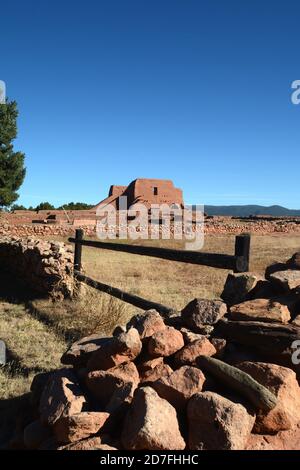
(155, 190)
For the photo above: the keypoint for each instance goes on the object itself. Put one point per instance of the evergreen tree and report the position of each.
(17, 207)
(76, 206)
(12, 170)
(45, 206)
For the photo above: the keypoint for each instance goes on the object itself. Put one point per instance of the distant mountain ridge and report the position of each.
(245, 211)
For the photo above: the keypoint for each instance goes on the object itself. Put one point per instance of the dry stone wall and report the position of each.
(44, 266)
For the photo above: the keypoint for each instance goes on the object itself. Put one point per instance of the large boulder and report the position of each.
(165, 343)
(190, 352)
(151, 375)
(201, 312)
(148, 364)
(283, 440)
(189, 336)
(282, 382)
(62, 396)
(238, 286)
(220, 346)
(103, 383)
(80, 352)
(260, 310)
(286, 280)
(294, 261)
(79, 426)
(151, 424)
(216, 423)
(37, 386)
(123, 348)
(296, 320)
(148, 323)
(179, 386)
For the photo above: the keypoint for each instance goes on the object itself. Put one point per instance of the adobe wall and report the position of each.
(116, 190)
(146, 191)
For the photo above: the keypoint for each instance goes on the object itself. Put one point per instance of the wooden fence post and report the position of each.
(242, 252)
(78, 250)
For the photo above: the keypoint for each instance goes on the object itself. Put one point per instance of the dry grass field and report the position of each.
(38, 331)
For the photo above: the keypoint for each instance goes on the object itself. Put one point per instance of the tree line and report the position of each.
(44, 206)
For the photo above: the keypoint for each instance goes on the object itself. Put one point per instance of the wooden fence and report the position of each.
(239, 262)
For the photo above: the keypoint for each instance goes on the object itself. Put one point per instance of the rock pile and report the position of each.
(219, 375)
(45, 267)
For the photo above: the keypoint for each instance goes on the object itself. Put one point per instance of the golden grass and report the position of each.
(93, 312)
(175, 284)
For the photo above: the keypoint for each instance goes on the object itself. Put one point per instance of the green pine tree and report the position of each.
(12, 170)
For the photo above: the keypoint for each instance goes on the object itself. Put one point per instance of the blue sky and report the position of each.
(195, 91)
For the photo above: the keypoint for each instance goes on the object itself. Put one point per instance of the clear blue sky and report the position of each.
(195, 91)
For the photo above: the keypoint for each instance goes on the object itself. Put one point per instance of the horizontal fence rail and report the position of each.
(239, 262)
(125, 296)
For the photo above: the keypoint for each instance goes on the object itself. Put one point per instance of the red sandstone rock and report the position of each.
(121, 399)
(80, 351)
(238, 286)
(189, 336)
(260, 310)
(78, 426)
(179, 386)
(201, 312)
(216, 423)
(189, 354)
(165, 342)
(161, 370)
(115, 351)
(149, 323)
(37, 386)
(283, 383)
(296, 320)
(103, 383)
(283, 440)
(220, 345)
(149, 364)
(287, 280)
(263, 290)
(92, 443)
(151, 424)
(62, 396)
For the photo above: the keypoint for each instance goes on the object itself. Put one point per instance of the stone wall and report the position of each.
(43, 266)
(216, 225)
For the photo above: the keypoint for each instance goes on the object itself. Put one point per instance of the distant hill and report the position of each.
(245, 211)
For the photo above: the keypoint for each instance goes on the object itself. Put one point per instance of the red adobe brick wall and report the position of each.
(146, 191)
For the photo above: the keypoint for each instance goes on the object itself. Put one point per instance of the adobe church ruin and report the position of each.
(144, 191)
